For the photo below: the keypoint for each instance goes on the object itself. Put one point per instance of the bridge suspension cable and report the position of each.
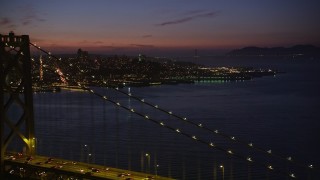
(216, 131)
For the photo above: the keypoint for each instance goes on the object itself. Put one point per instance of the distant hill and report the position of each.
(298, 50)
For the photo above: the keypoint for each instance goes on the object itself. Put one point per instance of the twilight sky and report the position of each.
(155, 27)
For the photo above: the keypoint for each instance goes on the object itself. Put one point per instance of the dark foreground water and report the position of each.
(280, 113)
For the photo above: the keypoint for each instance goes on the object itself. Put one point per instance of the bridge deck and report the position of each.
(72, 168)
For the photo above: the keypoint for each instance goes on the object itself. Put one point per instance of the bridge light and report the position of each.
(249, 159)
(311, 166)
(230, 152)
(292, 175)
(185, 119)
(269, 151)
(170, 112)
(216, 131)
(270, 167)
(131, 110)
(178, 130)
(156, 106)
(211, 144)
(200, 125)
(250, 144)
(194, 137)
(161, 123)
(233, 138)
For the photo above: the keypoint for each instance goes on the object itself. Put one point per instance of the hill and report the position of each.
(298, 50)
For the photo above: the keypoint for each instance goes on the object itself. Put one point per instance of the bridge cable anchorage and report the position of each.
(210, 144)
(200, 125)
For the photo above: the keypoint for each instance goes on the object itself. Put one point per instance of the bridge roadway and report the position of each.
(46, 166)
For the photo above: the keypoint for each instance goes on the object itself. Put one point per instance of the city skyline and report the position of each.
(162, 27)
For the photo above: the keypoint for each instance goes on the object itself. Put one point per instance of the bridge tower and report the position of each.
(16, 93)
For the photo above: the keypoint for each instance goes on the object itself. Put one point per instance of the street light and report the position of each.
(33, 145)
(222, 167)
(148, 158)
(157, 166)
(89, 155)
(84, 151)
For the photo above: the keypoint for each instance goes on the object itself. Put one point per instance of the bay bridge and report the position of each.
(105, 132)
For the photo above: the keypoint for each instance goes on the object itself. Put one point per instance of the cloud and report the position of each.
(30, 18)
(142, 45)
(41, 19)
(26, 22)
(30, 15)
(98, 42)
(194, 12)
(5, 21)
(119, 49)
(90, 42)
(192, 15)
(37, 40)
(83, 42)
(108, 47)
